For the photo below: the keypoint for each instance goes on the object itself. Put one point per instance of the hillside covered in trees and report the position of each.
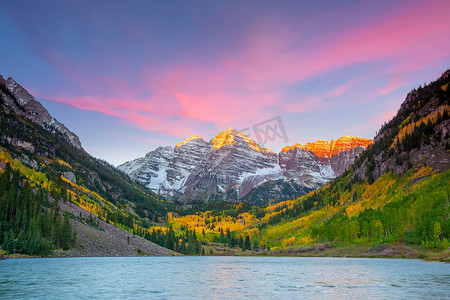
(30, 223)
(397, 191)
(41, 168)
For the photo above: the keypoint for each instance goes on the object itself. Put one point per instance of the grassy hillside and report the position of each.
(412, 208)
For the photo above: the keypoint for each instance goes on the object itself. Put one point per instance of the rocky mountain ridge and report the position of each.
(232, 166)
(48, 167)
(32, 136)
(418, 135)
(23, 104)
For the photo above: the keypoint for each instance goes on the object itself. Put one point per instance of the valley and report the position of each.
(224, 149)
(351, 197)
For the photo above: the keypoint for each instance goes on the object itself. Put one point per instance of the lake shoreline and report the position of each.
(429, 255)
(396, 250)
(387, 250)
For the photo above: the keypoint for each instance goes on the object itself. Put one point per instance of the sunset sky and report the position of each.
(129, 76)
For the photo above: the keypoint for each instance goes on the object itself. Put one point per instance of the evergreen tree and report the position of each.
(66, 233)
(247, 245)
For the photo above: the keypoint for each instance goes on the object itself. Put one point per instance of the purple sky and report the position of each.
(128, 76)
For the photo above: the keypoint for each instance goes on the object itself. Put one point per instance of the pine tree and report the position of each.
(247, 244)
(5, 178)
(66, 233)
(222, 236)
(74, 237)
(228, 237)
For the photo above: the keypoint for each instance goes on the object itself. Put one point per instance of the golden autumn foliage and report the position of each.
(213, 225)
(408, 128)
(36, 178)
(296, 232)
(383, 192)
(81, 196)
(425, 171)
(279, 206)
(288, 242)
(445, 86)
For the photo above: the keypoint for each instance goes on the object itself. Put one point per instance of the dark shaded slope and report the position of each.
(419, 133)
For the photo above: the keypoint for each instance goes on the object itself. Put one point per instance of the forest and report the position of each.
(30, 223)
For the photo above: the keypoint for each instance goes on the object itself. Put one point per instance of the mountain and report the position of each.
(418, 134)
(23, 104)
(47, 177)
(306, 168)
(232, 166)
(32, 136)
(393, 201)
(396, 191)
(339, 154)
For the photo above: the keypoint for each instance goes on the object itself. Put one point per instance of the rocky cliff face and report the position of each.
(29, 134)
(166, 170)
(231, 160)
(326, 160)
(23, 104)
(419, 135)
(232, 166)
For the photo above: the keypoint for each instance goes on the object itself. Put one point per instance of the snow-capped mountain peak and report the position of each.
(232, 137)
(232, 166)
(195, 137)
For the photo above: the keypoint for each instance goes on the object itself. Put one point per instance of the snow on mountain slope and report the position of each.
(231, 165)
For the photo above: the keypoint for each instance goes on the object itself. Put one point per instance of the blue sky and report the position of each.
(128, 77)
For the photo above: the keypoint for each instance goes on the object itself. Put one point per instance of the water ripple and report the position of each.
(222, 278)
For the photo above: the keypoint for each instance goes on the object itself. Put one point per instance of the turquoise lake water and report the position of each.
(223, 278)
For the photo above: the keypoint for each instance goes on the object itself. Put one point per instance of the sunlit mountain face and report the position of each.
(232, 165)
(328, 149)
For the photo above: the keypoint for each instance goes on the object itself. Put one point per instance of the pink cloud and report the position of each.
(409, 34)
(248, 82)
(304, 105)
(395, 83)
(373, 122)
(340, 90)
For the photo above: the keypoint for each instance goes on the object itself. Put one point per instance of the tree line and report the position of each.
(186, 243)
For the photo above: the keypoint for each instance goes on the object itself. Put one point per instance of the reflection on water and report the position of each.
(223, 278)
